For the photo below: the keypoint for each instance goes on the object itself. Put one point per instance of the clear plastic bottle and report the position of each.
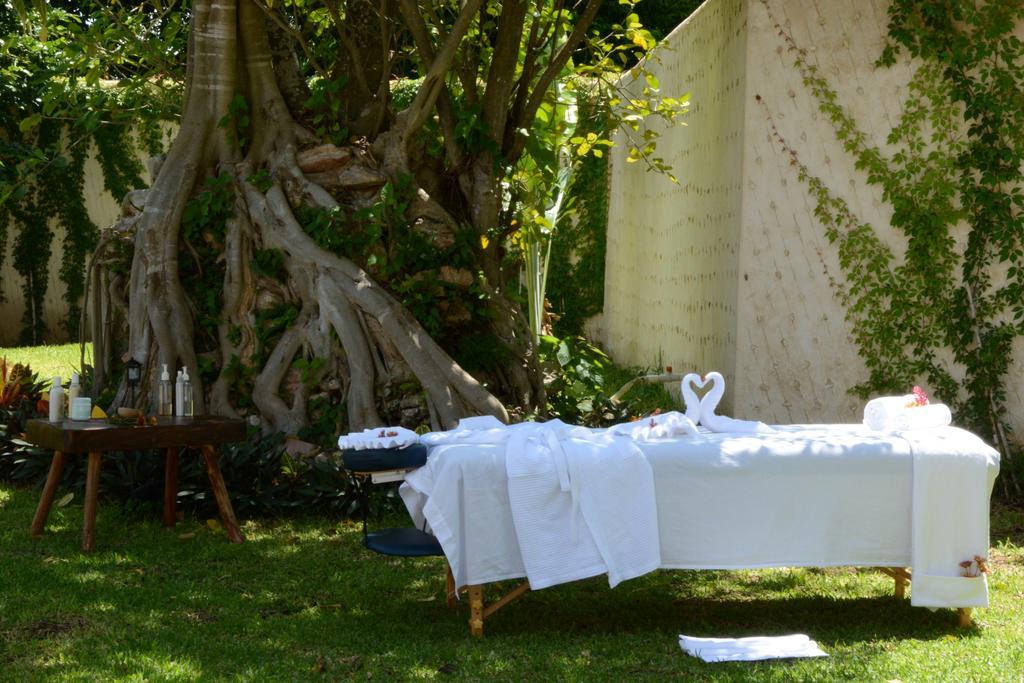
(177, 395)
(187, 404)
(165, 394)
(74, 390)
(56, 401)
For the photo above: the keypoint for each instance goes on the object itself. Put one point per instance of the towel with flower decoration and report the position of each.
(907, 412)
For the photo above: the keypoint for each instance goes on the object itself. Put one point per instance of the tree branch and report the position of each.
(433, 80)
(421, 36)
(504, 60)
(296, 36)
(558, 62)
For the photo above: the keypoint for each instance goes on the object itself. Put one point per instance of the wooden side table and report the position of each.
(96, 437)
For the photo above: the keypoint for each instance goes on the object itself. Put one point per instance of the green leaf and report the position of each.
(30, 122)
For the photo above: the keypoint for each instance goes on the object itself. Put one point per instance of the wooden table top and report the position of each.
(82, 436)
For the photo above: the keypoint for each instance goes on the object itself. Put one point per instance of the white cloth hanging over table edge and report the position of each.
(972, 444)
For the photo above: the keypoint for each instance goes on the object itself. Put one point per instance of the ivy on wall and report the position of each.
(54, 108)
(943, 310)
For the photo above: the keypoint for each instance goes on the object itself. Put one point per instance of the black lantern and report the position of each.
(133, 374)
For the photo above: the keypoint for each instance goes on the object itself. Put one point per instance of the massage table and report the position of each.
(804, 496)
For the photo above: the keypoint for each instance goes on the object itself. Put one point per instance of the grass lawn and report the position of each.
(49, 361)
(303, 600)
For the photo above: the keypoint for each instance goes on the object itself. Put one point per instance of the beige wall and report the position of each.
(797, 357)
(747, 287)
(103, 210)
(671, 271)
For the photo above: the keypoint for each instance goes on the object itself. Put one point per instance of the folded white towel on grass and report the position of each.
(378, 437)
(750, 649)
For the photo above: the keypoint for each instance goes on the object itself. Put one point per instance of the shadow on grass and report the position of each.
(302, 596)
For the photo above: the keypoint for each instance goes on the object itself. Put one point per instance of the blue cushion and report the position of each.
(404, 542)
(378, 459)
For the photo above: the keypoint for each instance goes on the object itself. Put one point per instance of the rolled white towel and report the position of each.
(899, 413)
(878, 412)
(922, 417)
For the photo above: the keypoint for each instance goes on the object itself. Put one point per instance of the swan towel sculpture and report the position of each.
(703, 410)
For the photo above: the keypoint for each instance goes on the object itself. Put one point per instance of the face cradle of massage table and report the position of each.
(768, 504)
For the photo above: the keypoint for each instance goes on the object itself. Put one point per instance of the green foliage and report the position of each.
(576, 269)
(236, 122)
(958, 161)
(54, 102)
(579, 378)
(203, 230)
(325, 103)
(659, 16)
(20, 392)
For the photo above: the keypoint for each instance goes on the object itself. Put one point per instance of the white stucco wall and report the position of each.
(747, 286)
(671, 271)
(797, 358)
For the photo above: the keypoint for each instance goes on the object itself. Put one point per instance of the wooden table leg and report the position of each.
(965, 617)
(901, 587)
(49, 491)
(220, 492)
(476, 610)
(92, 487)
(171, 488)
(449, 585)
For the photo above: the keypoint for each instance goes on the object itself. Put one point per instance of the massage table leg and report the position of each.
(476, 610)
(901, 577)
(901, 586)
(449, 586)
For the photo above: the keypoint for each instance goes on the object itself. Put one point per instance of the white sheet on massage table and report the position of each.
(810, 495)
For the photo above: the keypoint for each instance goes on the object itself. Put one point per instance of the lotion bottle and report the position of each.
(74, 390)
(165, 394)
(56, 401)
(178, 395)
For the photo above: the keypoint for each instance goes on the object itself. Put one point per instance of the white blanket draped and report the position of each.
(811, 495)
(565, 487)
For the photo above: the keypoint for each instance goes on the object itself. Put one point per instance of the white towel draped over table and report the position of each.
(947, 467)
(563, 494)
(803, 495)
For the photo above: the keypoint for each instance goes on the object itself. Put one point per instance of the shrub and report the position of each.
(580, 378)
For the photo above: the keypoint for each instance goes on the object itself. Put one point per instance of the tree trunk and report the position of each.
(345, 317)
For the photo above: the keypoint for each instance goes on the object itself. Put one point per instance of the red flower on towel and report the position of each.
(920, 398)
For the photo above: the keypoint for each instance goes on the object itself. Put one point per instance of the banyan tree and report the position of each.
(330, 224)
